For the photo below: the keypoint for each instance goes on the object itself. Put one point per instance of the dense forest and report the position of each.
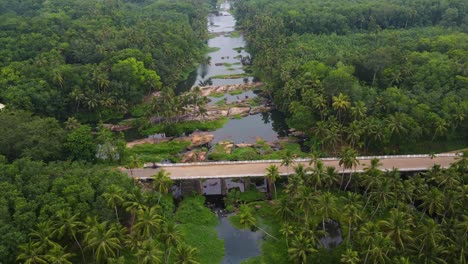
(95, 60)
(384, 217)
(368, 76)
(375, 75)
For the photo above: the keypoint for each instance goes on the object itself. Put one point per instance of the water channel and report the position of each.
(227, 47)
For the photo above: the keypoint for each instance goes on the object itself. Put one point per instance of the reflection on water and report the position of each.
(239, 244)
(333, 237)
(246, 130)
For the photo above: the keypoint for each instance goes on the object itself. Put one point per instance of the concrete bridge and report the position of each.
(257, 168)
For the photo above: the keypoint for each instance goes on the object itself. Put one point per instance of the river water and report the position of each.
(226, 60)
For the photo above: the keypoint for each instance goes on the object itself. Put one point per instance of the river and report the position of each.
(227, 46)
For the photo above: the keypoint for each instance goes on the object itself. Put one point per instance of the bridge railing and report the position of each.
(298, 160)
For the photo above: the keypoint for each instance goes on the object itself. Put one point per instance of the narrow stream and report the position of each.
(239, 245)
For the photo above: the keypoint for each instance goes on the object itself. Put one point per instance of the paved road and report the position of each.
(243, 169)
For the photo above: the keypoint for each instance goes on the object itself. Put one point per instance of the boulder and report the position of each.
(227, 146)
(239, 111)
(200, 139)
(194, 156)
(259, 109)
(244, 145)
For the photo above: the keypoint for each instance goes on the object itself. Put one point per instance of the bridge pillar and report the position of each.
(224, 189)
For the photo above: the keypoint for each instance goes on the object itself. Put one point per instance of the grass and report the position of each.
(187, 127)
(230, 69)
(217, 95)
(261, 151)
(220, 103)
(235, 34)
(236, 63)
(212, 35)
(227, 64)
(238, 49)
(236, 92)
(198, 228)
(237, 116)
(230, 76)
(257, 101)
(160, 151)
(212, 49)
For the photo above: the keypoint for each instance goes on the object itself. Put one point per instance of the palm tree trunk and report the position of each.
(81, 249)
(116, 214)
(349, 233)
(367, 254)
(274, 185)
(267, 233)
(350, 176)
(168, 255)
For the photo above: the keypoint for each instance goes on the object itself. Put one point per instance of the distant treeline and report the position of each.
(375, 75)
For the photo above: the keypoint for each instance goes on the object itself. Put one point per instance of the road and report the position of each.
(209, 170)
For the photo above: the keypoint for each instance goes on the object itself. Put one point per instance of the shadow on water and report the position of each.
(239, 244)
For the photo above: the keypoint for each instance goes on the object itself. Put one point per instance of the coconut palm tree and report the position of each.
(305, 201)
(379, 250)
(301, 171)
(319, 175)
(349, 257)
(398, 227)
(432, 202)
(348, 159)
(30, 253)
(383, 194)
(428, 235)
(149, 252)
(367, 234)
(185, 254)
(340, 104)
(68, 225)
(325, 206)
(287, 230)
(171, 236)
(114, 197)
(162, 183)
(135, 202)
(287, 160)
(43, 235)
(57, 255)
(283, 208)
(103, 241)
(300, 249)
(272, 176)
(148, 223)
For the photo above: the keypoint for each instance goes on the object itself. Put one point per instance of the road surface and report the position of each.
(209, 170)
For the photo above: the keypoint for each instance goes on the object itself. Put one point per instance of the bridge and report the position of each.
(257, 168)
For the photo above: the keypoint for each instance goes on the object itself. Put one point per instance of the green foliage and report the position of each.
(236, 92)
(261, 151)
(235, 34)
(35, 192)
(185, 127)
(212, 49)
(160, 151)
(198, 224)
(25, 135)
(359, 74)
(80, 144)
(217, 95)
(192, 210)
(81, 59)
